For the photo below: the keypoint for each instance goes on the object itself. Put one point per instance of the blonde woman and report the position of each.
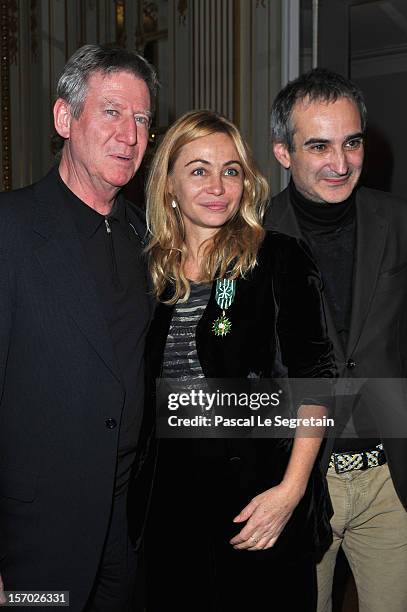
(234, 524)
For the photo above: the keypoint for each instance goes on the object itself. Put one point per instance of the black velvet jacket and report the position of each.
(277, 314)
(278, 305)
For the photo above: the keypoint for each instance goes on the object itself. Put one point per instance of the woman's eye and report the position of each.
(198, 172)
(232, 172)
(111, 112)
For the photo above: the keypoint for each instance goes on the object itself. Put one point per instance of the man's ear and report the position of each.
(281, 154)
(62, 118)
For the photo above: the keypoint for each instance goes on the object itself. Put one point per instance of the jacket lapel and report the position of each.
(371, 232)
(62, 259)
(281, 217)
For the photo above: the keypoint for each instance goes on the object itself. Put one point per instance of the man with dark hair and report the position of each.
(358, 238)
(74, 315)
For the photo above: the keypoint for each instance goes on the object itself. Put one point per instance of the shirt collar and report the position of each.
(86, 219)
(119, 211)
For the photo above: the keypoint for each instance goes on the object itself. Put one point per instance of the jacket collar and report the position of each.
(280, 215)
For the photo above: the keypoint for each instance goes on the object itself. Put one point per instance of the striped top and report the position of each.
(180, 355)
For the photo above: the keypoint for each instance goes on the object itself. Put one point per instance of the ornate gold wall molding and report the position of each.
(120, 17)
(150, 17)
(147, 29)
(5, 95)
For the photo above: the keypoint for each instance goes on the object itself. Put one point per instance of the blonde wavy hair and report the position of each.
(232, 252)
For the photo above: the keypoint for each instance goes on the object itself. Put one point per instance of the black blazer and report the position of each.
(377, 344)
(277, 310)
(59, 383)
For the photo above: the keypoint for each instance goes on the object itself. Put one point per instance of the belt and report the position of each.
(345, 462)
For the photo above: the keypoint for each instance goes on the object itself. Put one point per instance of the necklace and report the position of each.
(224, 296)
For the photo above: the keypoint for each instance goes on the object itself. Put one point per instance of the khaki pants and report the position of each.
(370, 524)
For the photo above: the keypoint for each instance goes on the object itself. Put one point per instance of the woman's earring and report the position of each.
(174, 204)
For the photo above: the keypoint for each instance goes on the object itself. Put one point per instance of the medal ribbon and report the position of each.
(225, 292)
(224, 296)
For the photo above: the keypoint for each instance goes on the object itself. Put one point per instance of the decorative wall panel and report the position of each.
(219, 54)
(212, 46)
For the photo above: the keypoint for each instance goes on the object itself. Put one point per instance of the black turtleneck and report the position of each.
(330, 230)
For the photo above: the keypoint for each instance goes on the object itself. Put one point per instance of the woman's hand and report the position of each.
(267, 514)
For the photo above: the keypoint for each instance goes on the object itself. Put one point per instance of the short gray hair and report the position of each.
(92, 59)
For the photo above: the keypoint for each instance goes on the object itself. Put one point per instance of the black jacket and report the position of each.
(377, 344)
(61, 394)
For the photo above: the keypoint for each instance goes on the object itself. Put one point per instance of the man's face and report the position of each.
(328, 149)
(107, 143)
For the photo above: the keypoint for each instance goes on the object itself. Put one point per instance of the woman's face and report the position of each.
(207, 182)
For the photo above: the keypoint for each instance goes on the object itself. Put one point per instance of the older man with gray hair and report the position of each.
(74, 315)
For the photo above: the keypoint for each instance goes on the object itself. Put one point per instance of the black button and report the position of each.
(110, 423)
(350, 364)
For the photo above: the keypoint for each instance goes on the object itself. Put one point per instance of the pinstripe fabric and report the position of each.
(180, 356)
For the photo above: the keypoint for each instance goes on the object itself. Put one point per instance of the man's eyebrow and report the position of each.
(118, 104)
(354, 136)
(312, 141)
(112, 102)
